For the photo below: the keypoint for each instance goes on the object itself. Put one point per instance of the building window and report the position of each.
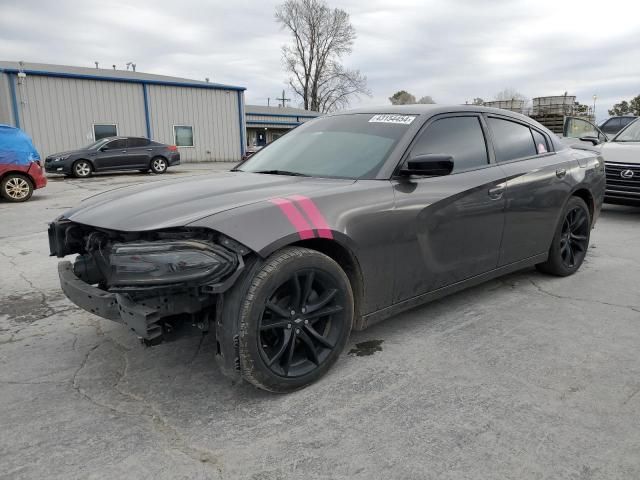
(104, 130)
(183, 135)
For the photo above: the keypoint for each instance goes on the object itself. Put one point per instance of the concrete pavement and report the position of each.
(528, 376)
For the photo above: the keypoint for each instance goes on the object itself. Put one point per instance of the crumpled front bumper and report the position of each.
(141, 319)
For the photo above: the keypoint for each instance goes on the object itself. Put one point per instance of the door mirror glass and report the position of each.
(431, 164)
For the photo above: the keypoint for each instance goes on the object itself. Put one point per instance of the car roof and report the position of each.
(434, 109)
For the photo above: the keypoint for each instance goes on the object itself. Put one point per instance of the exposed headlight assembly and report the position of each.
(169, 262)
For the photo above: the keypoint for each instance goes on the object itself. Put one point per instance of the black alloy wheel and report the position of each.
(571, 240)
(301, 323)
(574, 238)
(294, 311)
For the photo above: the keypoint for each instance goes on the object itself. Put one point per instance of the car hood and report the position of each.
(70, 152)
(176, 203)
(621, 152)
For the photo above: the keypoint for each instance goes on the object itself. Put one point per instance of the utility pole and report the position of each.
(283, 99)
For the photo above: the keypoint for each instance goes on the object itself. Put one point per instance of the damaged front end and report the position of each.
(146, 280)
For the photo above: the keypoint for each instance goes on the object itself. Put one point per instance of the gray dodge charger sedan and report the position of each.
(343, 222)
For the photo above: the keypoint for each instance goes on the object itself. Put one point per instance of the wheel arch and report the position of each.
(348, 261)
(588, 198)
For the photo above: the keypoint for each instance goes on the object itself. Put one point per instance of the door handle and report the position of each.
(495, 193)
(124, 151)
(561, 172)
(149, 149)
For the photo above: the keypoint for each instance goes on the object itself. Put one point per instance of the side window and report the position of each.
(460, 137)
(116, 144)
(624, 121)
(540, 140)
(511, 140)
(612, 126)
(137, 142)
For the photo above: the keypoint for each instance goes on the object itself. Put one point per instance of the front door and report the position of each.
(112, 155)
(452, 224)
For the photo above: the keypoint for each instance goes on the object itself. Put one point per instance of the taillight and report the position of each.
(173, 148)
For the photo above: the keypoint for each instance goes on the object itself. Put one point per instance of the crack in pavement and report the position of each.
(150, 412)
(579, 299)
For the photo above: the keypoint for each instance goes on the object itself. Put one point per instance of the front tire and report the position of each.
(82, 169)
(16, 188)
(159, 165)
(571, 240)
(295, 318)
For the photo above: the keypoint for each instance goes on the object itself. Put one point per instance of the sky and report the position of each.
(453, 50)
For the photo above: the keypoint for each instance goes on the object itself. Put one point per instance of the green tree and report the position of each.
(634, 105)
(621, 108)
(402, 97)
(427, 99)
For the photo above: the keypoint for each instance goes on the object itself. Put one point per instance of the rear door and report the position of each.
(537, 186)
(449, 227)
(139, 152)
(112, 155)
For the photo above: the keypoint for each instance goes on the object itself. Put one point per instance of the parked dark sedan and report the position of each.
(345, 221)
(114, 153)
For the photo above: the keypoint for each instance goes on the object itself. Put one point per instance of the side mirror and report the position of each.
(431, 164)
(594, 140)
(104, 149)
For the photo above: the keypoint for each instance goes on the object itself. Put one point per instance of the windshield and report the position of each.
(629, 134)
(96, 144)
(344, 146)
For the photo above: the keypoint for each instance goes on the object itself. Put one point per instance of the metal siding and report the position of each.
(59, 113)
(213, 114)
(6, 117)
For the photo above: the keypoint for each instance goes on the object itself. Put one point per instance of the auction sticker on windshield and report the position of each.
(391, 118)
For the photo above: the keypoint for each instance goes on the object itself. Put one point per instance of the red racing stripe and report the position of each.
(295, 218)
(317, 219)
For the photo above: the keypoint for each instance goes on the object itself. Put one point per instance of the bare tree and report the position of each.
(510, 94)
(321, 38)
(477, 101)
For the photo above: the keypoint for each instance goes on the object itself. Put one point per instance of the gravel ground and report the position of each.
(528, 376)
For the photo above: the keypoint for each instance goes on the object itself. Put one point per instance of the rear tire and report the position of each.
(16, 188)
(295, 316)
(159, 165)
(571, 240)
(82, 169)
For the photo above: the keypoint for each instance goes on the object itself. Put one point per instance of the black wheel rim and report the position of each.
(301, 323)
(574, 238)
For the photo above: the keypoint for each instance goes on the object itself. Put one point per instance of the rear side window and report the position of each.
(540, 141)
(612, 126)
(624, 121)
(460, 137)
(137, 142)
(120, 143)
(511, 140)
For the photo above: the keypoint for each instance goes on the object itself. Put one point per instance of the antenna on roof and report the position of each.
(96, 65)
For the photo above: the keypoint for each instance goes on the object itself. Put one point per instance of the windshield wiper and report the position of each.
(282, 172)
